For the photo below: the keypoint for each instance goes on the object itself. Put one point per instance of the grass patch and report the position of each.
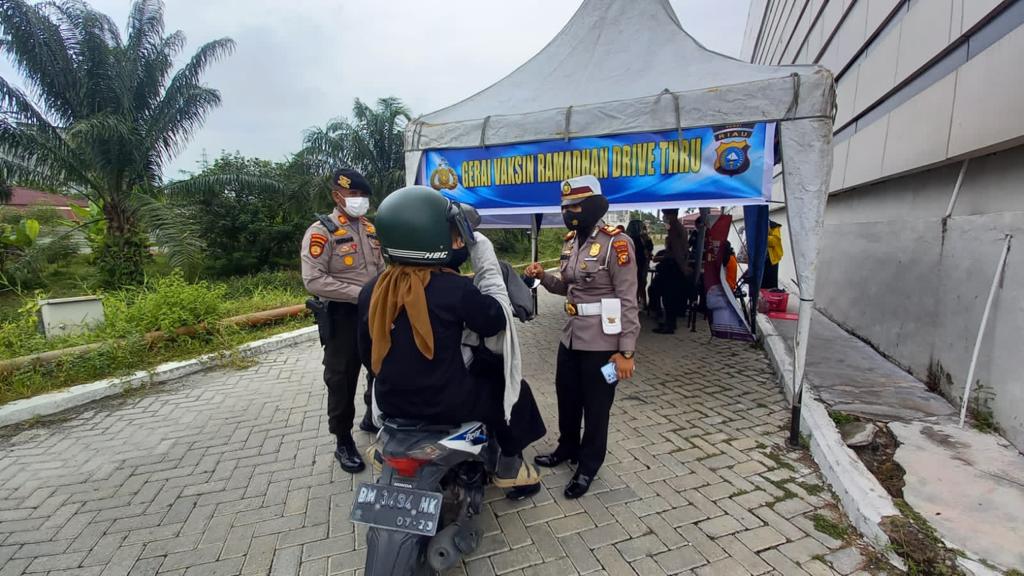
(811, 489)
(841, 418)
(123, 357)
(914, 540)
(830, 527)
(164, 303)
(780, 460)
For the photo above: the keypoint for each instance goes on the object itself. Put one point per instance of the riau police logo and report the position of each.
(732, 154)
(443, 177)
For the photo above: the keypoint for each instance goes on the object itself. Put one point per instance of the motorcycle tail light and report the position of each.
(405, 467)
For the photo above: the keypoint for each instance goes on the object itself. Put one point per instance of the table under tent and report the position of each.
(624, 93)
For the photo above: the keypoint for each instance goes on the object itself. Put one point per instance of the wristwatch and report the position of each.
(626, 355)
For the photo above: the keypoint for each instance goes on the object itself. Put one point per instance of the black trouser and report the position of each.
(341, 368)
(584, 399)
(770, 279)
(672, 289)
(525, 426)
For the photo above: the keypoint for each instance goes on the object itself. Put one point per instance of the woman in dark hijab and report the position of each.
(635, 230)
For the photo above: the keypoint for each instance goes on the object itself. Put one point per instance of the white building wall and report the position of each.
(891, 269)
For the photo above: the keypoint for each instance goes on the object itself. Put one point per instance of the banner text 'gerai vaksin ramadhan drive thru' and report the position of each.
(641, 159)
(637, 168)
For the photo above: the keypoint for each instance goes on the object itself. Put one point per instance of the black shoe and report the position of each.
(578, 486)
(348, 457)
(664, 330)
(367, 425)
(552, 460)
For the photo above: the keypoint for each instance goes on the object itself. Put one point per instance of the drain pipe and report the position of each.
(981, 329)
(956, 190)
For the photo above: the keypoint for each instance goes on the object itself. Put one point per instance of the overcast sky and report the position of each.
(299, 63)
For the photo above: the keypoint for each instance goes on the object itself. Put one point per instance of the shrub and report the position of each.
(165, 304)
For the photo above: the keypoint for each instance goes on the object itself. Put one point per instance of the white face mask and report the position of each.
(357, 206)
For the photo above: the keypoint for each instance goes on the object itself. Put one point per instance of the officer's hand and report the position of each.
(535, 271)
(624, 367)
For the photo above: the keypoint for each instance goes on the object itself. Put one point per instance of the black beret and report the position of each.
(351, 179)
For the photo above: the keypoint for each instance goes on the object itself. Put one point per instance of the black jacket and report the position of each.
(440, 390)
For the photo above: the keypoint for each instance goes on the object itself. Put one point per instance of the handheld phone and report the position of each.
(611, 375)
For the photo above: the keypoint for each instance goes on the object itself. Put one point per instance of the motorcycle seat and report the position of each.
(410, 425)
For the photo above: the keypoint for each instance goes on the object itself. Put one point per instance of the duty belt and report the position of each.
(589, 309)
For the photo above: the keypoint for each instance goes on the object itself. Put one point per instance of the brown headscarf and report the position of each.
(400, 287)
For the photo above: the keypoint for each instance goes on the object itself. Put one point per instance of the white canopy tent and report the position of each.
(629, 67)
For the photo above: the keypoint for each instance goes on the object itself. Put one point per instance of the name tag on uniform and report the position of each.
(611, 316)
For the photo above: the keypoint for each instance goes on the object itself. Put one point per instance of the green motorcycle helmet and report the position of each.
(414, 226)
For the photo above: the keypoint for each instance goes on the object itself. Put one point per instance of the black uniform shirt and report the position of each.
(440, 390)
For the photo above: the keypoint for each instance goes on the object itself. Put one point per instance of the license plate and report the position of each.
(395, 508)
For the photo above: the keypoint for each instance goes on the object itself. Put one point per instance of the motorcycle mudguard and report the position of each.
(391, 553)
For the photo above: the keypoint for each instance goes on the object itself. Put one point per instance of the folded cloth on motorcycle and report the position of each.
(490, 281)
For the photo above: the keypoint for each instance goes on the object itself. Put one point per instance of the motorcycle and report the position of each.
(423, 511)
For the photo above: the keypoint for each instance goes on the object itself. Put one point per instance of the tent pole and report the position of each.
(699, 265)
(535, 250)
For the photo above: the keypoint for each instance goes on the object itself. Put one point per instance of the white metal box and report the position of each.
(69, 316)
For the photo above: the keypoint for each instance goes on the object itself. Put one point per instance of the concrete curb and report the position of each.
(53, 402)
(863, 498)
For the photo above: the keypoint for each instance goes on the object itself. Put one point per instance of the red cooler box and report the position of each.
(772, 301)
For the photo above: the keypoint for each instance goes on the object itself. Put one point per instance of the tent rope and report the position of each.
(483, 130)
(568, 119)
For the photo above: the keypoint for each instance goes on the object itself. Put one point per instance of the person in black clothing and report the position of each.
(412, 319)
(672, 272)
(635, 230)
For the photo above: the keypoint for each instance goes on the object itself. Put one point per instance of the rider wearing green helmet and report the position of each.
(412, 319)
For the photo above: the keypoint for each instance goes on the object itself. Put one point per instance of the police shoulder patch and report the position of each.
(317, 242)
(621, 248)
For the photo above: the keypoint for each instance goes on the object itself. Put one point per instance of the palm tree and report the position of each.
(371, 143)
(103, 115)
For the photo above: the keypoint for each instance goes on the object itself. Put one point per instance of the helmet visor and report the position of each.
(465, 218)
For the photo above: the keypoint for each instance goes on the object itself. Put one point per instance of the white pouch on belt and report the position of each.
(611, 315)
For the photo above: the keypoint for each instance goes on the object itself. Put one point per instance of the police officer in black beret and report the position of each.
(340, 254)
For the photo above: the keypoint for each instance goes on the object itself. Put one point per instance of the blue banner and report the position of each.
(727, 165)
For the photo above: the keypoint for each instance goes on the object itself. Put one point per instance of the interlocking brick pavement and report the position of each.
(231, 473)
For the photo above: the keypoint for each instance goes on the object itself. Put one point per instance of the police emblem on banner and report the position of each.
(443, 177)
(732, 154)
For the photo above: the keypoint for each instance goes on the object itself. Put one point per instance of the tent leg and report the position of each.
(699, 269)
(803, 331)
(806, 156)
(535, 251)
(794, 425)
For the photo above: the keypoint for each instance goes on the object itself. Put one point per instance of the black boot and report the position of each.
(348, 457)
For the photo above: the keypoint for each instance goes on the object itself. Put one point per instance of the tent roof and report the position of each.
(620, 67)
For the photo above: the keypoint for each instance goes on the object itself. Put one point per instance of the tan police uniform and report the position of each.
(597, 275)
(336, 264)
(603, 266)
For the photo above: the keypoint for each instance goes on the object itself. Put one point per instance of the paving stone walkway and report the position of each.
(230, 472)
